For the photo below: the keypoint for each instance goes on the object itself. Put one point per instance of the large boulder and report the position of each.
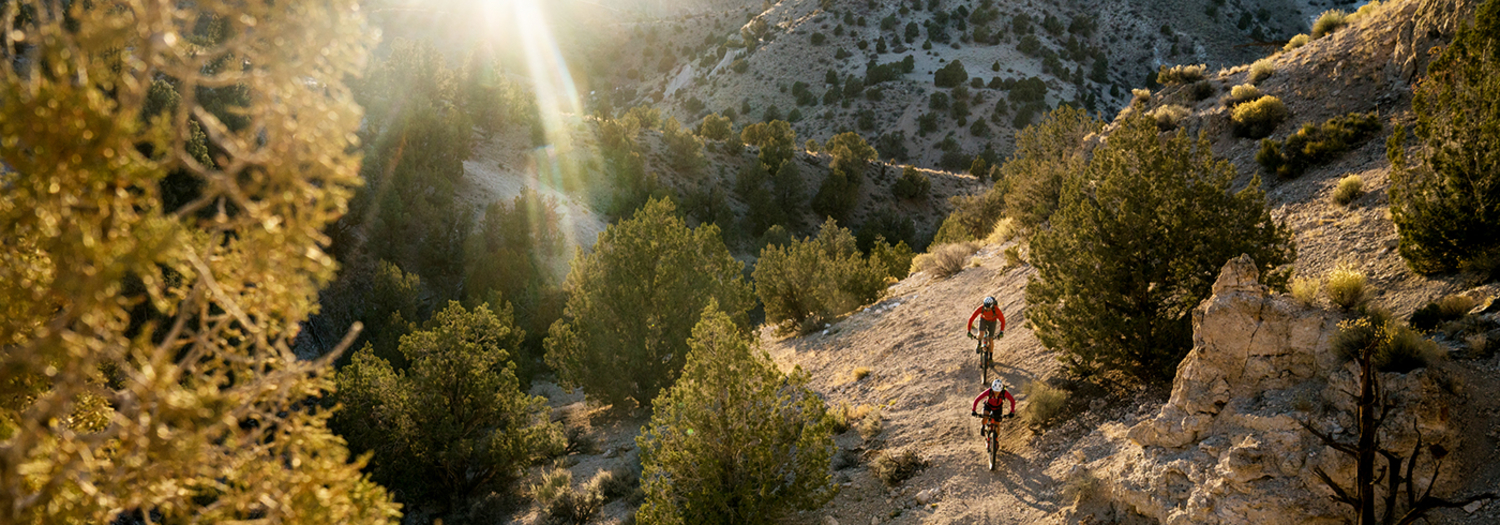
(1228, 446)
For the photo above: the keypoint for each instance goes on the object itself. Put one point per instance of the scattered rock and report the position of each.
(1473, 507)
(828, 520)
(927, 496)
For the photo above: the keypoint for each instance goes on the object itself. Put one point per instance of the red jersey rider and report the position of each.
(988, 314)
(994, 397)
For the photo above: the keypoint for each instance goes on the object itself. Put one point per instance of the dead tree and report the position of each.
(1371, 410)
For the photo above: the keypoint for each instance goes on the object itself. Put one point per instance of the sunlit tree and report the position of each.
(145, 347)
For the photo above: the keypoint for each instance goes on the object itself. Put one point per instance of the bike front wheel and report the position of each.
(993, 447)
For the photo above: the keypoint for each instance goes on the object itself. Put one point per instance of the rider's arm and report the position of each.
(1002, 317)
(971, 319)
(981, 397)
(1012, 401)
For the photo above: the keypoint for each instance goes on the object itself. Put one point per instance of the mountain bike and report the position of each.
(989, 431)
(986, 353)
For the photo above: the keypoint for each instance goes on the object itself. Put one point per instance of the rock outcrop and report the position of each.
(1228, 446)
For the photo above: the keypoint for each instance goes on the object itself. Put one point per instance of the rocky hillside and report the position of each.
(803, 54)
(1225, 444)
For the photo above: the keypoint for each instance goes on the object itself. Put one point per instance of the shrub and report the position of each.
(1013, 256)
(870, 425)
(1241, 94)
(1436, 313)
(1180, 74)
(893, 468)
(818, 39)
(493, 431)
(1447, 206)
(1258, 118)
(1346, 286)
(1202, 89)
(1295, 42)
(616, 483)
(1081, 486)
(1328, 22)
(1316, 144)
(950, 75)
(739, 65)
(1142, 195)
(633, 353)
(861, 372)
(715, 127)
(1262, 69)
(780, 461)
(1005, 229)
(1397, 348)
(944, 260)
(817, 278)
(912, 184)
(1305, 290)
(1044, 403)
(1349, 188)
(1140, 96)
(1044, 155)
(563, 504)
(1169, 116)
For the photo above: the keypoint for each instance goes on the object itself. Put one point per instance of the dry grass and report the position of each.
(1349, 188)
(1262, 69)
(1013, 256)
(1295, 42)
(1082, 485)
(1242, 93)
(1139, 96)
(1456, 306)
(871, 425)
(1169, 117)
(1181, 74)
(845, 416)
(1305, 290)
(1346, 286)
(862, 372)
(943, 261)
(1328, 22)
(1044, 404)
(1258, 118)
(896, 467)
(1005, 230)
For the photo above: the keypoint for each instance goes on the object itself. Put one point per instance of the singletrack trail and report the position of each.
(923, 376)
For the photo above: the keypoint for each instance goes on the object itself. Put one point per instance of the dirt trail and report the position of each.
(923, 379)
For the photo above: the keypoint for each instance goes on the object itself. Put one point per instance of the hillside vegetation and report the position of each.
(706, 261)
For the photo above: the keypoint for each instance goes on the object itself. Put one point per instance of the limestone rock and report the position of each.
(1228, 446)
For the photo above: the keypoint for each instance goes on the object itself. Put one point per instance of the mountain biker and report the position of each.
(987, 313)
(993, 398)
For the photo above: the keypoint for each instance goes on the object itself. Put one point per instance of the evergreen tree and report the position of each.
(1447, 207)
(633, 301)
(147, 351)
(817, 278)
(454, 419)
(1045, 154)
(735, 441)
(1137, 243)
(839, 192)
(776, 141)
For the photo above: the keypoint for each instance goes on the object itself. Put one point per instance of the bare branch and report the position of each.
(1339, 494)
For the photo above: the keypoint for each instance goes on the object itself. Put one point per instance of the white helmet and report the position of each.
(997, 386)
(989, 302)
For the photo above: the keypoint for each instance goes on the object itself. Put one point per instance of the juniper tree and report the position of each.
(735, 440)
(146, 348)
(454, 418)
(633, 301)
(1447, 206)
(1136, 244)
(817, 277)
